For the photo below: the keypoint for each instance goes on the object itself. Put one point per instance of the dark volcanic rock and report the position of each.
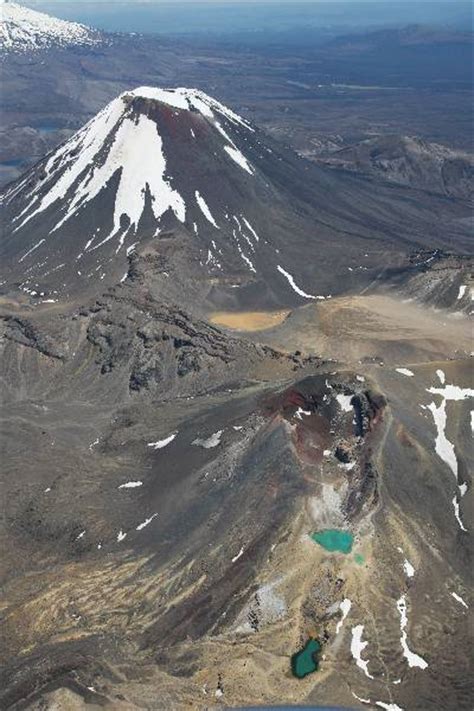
(26, 333)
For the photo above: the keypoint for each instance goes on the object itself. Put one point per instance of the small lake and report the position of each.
(306, 661)
(334, 540)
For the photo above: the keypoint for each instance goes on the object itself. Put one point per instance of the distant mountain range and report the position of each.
(399, 37)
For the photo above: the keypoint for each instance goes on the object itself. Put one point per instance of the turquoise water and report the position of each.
(306, 660)
(333, 539)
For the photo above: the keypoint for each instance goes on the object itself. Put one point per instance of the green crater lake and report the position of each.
(333, 540)
(306, 661)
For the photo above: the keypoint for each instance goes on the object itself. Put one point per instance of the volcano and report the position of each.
(256, 223)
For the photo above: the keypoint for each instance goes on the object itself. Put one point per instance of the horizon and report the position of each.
(228, 17)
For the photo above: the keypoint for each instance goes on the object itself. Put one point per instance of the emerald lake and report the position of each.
(333, 539)
(306, 660)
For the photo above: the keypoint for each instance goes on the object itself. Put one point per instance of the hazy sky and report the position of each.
(233, 16)
(221, 2)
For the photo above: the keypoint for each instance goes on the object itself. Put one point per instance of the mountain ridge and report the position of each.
(408, 160)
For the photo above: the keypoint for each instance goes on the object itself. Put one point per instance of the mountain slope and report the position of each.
(24, 30)
(256, 223)
(409, 160)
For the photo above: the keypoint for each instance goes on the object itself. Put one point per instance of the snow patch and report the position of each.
(405, 371)
(458, 598)
(457, 514)
(357, 647)
(443, 447)
(345, 607)
(381, 704)
(414, 660)
(249, 227)
(300, 412)
(239, 158)
(205, 209)
(248, 262)
(344, 402)
(38, 244)
(291, 282)
(239, 555)
(146, 522)
(408, 568)
(213, 441)
(162, 442)
(131, 485)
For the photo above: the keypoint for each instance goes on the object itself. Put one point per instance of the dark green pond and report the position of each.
(306, 661)
(332, 539)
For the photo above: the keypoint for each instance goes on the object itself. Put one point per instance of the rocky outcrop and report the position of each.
(164, 348)
(24, 332)
(438, 278)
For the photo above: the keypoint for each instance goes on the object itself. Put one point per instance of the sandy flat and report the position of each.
(248, 320)
(374, 326)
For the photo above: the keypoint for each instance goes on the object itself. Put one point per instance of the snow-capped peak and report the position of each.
(188, 99)
(25, 30)
(125, 148)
